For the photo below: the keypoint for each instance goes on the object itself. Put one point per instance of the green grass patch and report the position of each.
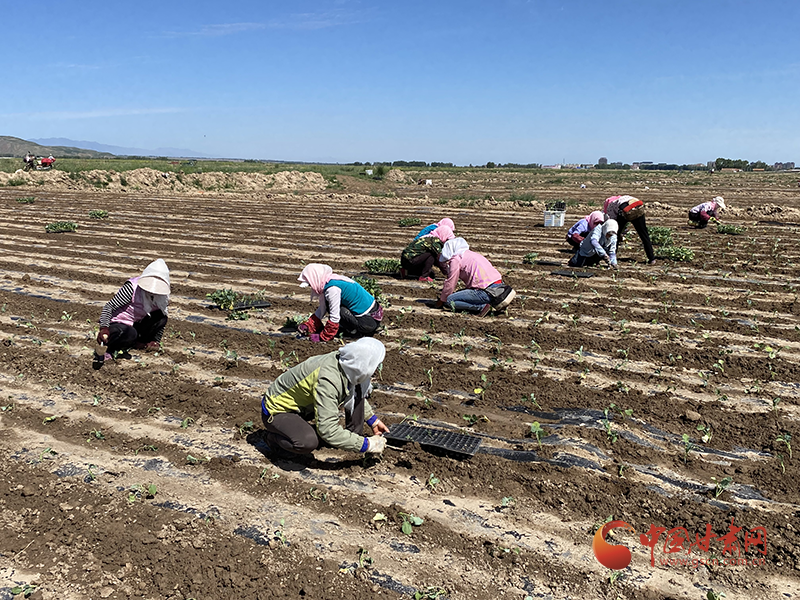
(676, 253)
(661, 236)
(98, 214)
(60, 227)
(730, 229)
(26, 200)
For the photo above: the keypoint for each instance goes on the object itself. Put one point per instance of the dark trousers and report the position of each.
(419, 266)
(584, 261)
(355, 326)
(697, 219)
(122, 337)
(290, 432)
(640, 225)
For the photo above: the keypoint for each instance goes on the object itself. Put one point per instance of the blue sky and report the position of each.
(457, 81)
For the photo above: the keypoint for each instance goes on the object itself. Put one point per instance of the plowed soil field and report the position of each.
(148, 478)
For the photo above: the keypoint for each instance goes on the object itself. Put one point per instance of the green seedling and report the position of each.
(7, 408)
(46, 452)
(145, 448)
(688, 446)
(293, 322)
(706, 431)
(530, 258)
(615, 575)
(65, 316)
(660, 236)
(280, 534)
(408, 222)
(780, 461)
(26, 590)
(430, 593)
(246, 427)
(96, 434)
(473, 420)
(192, 460)
(142, 491)
(98, 214)
(96, 400)
(26, 200)
(432, 481)
(532, 399)
(481, 391)
(409, 520)
(153, 409)
(507, 502)
(364, 559)
(429, 375)
(730, 229)
(372, 287)
(467, 350)
(712, 595)
(237, 315)
(721, 485)
(316, 494)
(785, 438)
(775, 402)
(676, 253)
(90, 474)
(538, 431)
(186, 422)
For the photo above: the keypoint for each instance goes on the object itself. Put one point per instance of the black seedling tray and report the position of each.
(246, 305)
(548, 263)
(425, 436)
(572, 273)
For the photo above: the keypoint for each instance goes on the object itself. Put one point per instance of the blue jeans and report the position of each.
(469, 300)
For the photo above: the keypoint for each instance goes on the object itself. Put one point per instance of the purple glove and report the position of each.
(314, 337)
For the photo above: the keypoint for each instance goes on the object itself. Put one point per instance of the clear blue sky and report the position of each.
(460, 81)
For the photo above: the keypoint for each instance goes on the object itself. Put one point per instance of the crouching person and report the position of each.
(701, 214)
(600, 244)
(582, 228)
(351, 309)
(137, 314)
(314, 390)
(485, 289)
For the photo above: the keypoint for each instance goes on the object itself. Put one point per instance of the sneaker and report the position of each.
(506, 301)
(426, 279)
(485, 310)
(97, 361)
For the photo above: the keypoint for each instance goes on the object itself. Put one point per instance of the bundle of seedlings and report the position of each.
(408, 222)
(661, 236)
(730, 229)
(98, 214)
(382, 266)
(677, 253)
(60, 227)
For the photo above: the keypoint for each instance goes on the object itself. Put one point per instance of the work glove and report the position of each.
(328, 333)
(576, 237)
(313, 325)
(377, 444)
(102, 336)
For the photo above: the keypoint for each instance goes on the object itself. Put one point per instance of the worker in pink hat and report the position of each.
(701, 214)
(137, 314)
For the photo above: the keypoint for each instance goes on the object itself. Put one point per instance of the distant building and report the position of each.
(602, 161)
(551, 166)
(785, 166)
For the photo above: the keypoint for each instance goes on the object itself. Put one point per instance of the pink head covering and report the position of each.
(447, 223)
(595, 218)
(443, 232)
(315, 276)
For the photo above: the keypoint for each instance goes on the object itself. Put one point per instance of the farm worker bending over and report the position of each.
(627, 209)
(350, 308)
(701, 214)
(429, 229)
(600, 244)
(314, 390)
(582, 228)
(485, 287)
(419, 256)
(137, 314)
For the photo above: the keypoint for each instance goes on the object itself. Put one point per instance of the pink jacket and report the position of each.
(134, 311)
(473, 269)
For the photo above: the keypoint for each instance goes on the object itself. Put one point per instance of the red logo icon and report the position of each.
(609, 555)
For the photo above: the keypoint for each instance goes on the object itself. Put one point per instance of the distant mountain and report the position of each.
(13, 146)
(122, 151)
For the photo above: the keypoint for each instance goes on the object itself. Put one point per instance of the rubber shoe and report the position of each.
(512, 294)
(485, 310)
(426, 279)
(652, 262)
(97, 361)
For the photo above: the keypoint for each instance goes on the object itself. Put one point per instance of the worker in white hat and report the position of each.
(701, 214)
(137, 314)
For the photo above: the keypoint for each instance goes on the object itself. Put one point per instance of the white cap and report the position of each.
(155, 278)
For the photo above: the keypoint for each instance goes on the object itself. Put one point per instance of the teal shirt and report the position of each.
(354, 297)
